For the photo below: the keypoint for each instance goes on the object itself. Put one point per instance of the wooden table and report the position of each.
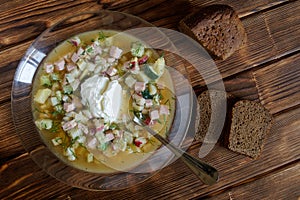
(267, 69)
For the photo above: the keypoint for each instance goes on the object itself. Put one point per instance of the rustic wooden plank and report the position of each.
(265, 42)
(29, 20)
(243, 9)
(242, 86)
(233, 168)
(16, 52)
(286, 180)
(279, 84)
(10, 144)
(175, 181)
(27, 181)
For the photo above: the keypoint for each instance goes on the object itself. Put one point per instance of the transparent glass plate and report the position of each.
(22, 111)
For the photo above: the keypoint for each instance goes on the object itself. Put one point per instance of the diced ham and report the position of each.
(148, 103)
(110, 60)
(88, 114)
(83, 128)
(70, 66)
(126, 65)
(97, 49)
(77, 102)
(154, 114)
(92, 143)
(80, 51)
(69, 125)
(139, 99)
(49, 68)
(139, 86)
(164, 110)
(60, 65)
(74, 57)
(92, 131)
(100, 128)
(68, 107)
(111, 71)
(115, 52)
(109, 137)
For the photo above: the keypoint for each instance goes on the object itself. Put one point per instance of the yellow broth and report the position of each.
(123, 160)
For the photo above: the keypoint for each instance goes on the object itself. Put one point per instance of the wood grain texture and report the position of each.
(264, 43)
(175, 181)
(273, 32)
(264, 186)
(10, 144)
(279, 84)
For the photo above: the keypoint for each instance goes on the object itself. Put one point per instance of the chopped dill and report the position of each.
(102, 36)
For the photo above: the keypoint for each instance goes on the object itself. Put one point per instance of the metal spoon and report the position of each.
(206, 173)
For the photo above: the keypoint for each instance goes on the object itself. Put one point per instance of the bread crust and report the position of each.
(250, 126)
(217, 28)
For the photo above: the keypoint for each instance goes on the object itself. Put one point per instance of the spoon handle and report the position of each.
(206, 173)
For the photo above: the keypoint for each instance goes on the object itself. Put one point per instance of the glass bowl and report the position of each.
(22, 91)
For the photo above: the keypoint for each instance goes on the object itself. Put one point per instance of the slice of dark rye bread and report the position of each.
(217, 28)
(246, 127)
(250, 126)
(210, 103)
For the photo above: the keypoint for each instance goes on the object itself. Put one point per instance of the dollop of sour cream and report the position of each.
(102, 96)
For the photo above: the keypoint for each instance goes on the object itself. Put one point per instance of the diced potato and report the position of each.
(42, 95)
(57, 141)
(81, 64)
(44, 124)
(152, 89)
(90, 158)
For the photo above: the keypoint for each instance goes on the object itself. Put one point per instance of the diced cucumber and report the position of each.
(45, 81)
(70, 78)
(54, 101)
(55, 77)
(150, 72)
(42, 95)
(67, 89)
(44, 124)
(128, 137)
(143, 77)
(58, 95)
(137, 49)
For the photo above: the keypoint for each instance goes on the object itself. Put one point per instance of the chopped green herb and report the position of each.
(55, 127)
(102, 36)
(113, 126)
(146, 94)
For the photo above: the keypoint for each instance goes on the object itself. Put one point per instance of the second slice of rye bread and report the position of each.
(210, 105)
(250, 126)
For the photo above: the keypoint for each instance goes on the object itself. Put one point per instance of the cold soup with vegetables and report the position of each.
(84, 96)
